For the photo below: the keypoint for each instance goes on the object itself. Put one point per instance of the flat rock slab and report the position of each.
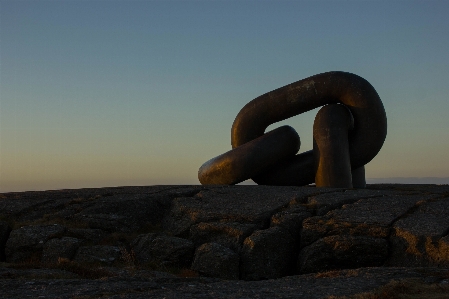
(243, 204)
(129, 205)
(248, 233)
(369, 217)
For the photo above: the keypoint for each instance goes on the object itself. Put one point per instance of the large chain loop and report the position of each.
(346, 136)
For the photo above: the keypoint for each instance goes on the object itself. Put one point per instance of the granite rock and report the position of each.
(267, 254)
(421, 238)
(342, 252)
(242, 204)
(28, 241)
(228, 234)
(98, 254)
(57, 248)
(163, 250)
(365, 217)
(215, 260)
(269, 230)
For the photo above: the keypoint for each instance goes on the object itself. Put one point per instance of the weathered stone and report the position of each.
(88, 234)
(97, 254)
(134, 207)
(28, 241)
(366, 217)
(215, 260)
(5, 229)
(165, 250)
(57, 248)
(106, 222)
(418, 239)
(230, 235)
(33, 275)
(226, 215)
(323, 203)
(131, 212)
(291, 221)
(267, 254)
(243, 204)
(342, 252)
(31, 206)
(39, 283)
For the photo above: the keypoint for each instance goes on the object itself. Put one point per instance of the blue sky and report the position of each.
(107, 93)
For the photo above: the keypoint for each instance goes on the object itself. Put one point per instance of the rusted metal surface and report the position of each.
(364, 140)
(331, 147)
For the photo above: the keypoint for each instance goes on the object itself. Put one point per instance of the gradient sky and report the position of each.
(108, 93)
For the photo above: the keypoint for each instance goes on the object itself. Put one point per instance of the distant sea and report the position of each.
(412, 180)
(396, 180)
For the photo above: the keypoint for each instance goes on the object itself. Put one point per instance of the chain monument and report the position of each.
(348, 132)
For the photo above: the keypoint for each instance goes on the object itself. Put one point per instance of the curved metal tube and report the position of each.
(249, 159)
(330, 147)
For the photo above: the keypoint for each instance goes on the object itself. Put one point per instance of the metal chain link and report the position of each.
(348, 133)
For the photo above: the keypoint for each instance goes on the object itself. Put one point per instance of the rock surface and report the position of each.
(165, 250)
(57, 248)
(215, 260)
(114, 241)
(267, 253)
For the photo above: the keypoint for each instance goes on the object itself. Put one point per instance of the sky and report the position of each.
(118, 93)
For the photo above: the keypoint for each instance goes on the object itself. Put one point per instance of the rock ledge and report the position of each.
(221, 236)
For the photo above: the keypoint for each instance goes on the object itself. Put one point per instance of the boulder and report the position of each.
(215, 260)
(98, 254)
(28, 241)
(163, 250)
(342, 252)
(57, 248)
(267, 254)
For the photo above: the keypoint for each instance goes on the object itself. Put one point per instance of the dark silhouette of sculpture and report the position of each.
(348, 132)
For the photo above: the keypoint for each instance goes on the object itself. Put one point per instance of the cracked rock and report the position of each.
(323, 203)
(267, 254)
(420, 239)
(164, 250)
(366, 217)
(230, 235)
(215, 260)
(291, 221)
(342, 252)
(242, 204)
